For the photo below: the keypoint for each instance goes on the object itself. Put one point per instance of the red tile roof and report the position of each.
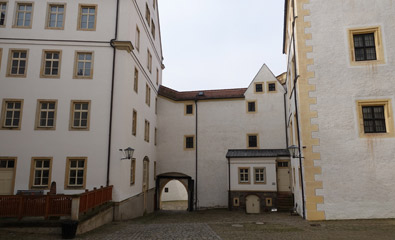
(201, 94)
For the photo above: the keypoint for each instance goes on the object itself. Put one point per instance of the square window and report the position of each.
(40, 176)
(366, 46)
(17, 63)
(189, 142)
(375, 118)
(252, 140)
(75, 173)
(79, 115)
(11, 116)
(55, 16)
(188, 109)
(258, 87)
(46, 114)
(23, 15)
(3, 13)
(50, 66)
(271, 87)
(251, 108)
(166, 190)
(87, 17)
(83, 66)
(244, 175)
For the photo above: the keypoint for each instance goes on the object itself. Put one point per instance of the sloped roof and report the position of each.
(201, 94)
(257, 153)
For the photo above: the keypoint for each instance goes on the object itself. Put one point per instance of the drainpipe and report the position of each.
(229, 197)
(296, 110)
(285, 117)
(196, 155)
(112, 94)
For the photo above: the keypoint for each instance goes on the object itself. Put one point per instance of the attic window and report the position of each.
(272, 87)
(259, 87)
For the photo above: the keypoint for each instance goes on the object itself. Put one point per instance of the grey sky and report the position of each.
(214, 44)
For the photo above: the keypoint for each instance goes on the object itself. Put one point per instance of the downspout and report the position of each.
(296, 111)
(112, 94)
(196, 154)
(229, 197)
(285, 117)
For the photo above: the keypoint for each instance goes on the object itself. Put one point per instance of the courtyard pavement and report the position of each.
(223, 224)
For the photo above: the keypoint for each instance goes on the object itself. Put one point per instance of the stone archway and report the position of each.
(163, 179)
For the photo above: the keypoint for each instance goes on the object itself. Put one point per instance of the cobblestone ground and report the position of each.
(223, 224)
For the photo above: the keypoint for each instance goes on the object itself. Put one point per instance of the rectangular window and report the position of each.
(271, 87)
(132, 171)
(258, 87)
(75, 172)
(46, 114)
(17, 63)
(260, 175)
(83, 65)
(11, 116)
(87, 17)
(156, 105)
(244, 175)
(157, 76)
(189, 142)
(188, 109)
(7, 163)
(366, 45)
(40, 176)
(3, 13)
(147, 14)
(155, 170)
(149, 61)
(56, 13)
(147, 95)
(156, 136)
(252, 140)
(51, 64)
(137, 39)
(134, 124)
(136, 80)
(80, 111)
(146, 131)
(23, 15)
(251, 106)
(153, 29)
(375, 117)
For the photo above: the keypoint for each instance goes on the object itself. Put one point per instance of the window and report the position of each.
(56, 13)
(87, 17)
(7, 163)
(157, 76)
(188, 109)
(83, 65)
(155, 170)
(282, 164)
(149, 61)
(147, 14)
(79, 119)
(11, 116)
(23, 15)
(17, 63)
(46, 114)
(366, 46)
(251, 106)
(137, 39)
(75, 172)
(258, 87)
(51, 64)
(153, 29)
(156, 105)
(146, 131)
(166, 189)
(260, 175)
(271, 87)
(134, 124)
(189, 142)
(252, 140)
(147, 95)
(375, 118)
(156, 136)
(3, 13)
(244, 175)
(40, 175)
(136, 80)
(236, 202)
(133, 171)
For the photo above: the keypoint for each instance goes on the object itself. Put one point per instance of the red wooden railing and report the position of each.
(94, 198)
(31, 206)
(51, 205)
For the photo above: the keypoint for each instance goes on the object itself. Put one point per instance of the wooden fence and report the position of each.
(52, 205)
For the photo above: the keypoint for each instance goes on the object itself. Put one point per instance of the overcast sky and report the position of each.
(216, 44)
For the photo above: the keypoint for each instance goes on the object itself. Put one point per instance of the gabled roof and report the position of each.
(201, 94)
(257, 153)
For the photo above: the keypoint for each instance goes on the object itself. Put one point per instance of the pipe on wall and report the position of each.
(196, 154)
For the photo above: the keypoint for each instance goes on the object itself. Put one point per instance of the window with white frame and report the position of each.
(260, 175)
(244, 175)
(41, 169)
(46, 114)
(3, 13)
(51, 64)
(84, 65)
(56, 13)
(80, 115)
(12, 114)
(23, 15)
(87, 17)
(76, 172)
(17, 65)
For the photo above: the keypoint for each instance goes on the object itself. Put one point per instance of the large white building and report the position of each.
(78, 82)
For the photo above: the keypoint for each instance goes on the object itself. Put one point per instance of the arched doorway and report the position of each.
(174, 196)
(163, 179)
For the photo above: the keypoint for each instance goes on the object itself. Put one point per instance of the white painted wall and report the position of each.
(177, 192)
